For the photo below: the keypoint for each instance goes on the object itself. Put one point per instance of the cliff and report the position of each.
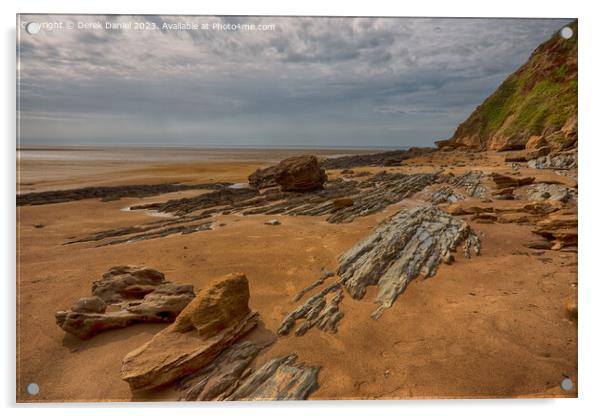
(539, 99)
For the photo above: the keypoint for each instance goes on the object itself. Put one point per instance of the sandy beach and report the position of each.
(494, 325)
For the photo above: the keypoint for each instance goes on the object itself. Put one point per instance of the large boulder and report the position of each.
(298, 173)
(214, 320)
(264, 178)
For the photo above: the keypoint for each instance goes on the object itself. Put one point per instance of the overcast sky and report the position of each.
(310, 81)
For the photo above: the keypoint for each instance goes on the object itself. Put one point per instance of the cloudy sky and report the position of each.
(308, 82)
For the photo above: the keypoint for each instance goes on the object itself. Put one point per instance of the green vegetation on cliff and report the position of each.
(540, 98)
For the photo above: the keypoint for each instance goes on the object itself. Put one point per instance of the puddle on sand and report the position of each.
(151, 213)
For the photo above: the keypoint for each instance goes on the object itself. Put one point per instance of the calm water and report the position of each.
(175, 154)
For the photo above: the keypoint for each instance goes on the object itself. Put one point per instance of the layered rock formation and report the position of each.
(320, 310)
(229, 377)
(409, 244)
(341, 200)
(560, 228)
(111, 193)
(535, 106)
(140, 294)
(390, 158)
(560, 161)
(217, 317)
(279, 379)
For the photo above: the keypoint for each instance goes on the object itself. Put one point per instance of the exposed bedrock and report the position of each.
(279, 379)
(560, 161)
(183, 206)
(222, 376)
(320, 310)
(505, 181)
(560, 228)
(181, 225)
(214, 320)
(139, 294)
(230, 377)
(408, 244)
(340, 200)
(389, 158)
(111, 193)
(368, 196)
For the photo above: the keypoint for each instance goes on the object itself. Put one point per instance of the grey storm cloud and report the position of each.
(308, 82)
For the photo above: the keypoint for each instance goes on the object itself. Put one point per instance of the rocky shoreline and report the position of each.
(410, 243)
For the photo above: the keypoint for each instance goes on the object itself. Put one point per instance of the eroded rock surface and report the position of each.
(230, 377)
(565, 160)
(222, 376)
(560, 228)
(297, 174)
(141, 294)
(215, 319)
(279, 379)
(320, 310)
(409, 244)
(110, 193)
(390, 158)
(127, 282)
(551, 192)
(340, 200)
(504, 181)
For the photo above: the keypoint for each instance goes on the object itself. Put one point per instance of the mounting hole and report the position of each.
(32, 28)
(33, 389)
(566, 384)
(566, 32)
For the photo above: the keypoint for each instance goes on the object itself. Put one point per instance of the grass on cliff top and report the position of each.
(540, 95)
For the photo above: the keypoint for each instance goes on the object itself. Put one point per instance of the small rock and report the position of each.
(570, 310)
(272, 222)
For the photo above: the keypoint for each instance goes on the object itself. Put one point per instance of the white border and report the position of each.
(590, 96)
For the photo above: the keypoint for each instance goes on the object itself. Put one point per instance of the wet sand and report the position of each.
(491, 326)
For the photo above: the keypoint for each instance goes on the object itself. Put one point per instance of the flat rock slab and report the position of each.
(213, 321)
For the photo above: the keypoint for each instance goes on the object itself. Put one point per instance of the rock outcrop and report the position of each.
(141, 294)
(320, 310)
(111, 193)
(264, 178)
(408, 244)
(229, 377)
(560, 161)
(560, 228)
(551, 192)
(504, 181)
(390, 158)
(222, 376)
(539, 99)
(279, 379)
(215, 319)
(296, 174)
